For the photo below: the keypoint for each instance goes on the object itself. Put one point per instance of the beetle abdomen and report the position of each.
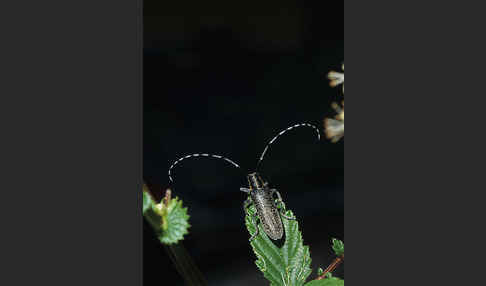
(268, 213)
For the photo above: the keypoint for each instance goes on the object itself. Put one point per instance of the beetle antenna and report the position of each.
(281, 133)
(199, 155)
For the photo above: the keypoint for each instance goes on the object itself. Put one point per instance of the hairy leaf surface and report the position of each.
(170, 221)
(288, 265)
(332, 281)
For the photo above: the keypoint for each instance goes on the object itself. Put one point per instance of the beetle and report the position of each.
(269, 210)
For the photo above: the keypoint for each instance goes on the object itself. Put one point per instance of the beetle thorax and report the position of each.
(255, 181)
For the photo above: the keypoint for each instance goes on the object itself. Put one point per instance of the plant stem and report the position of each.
(185, 265)
(332, 266)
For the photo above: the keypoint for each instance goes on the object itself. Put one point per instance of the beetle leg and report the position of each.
(245, 190)
(280, 202)
(246, 204)
(257, 230)
(281, 205)
(254, 218)
(285, 216)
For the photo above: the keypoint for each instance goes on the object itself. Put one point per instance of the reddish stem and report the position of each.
(332, 266)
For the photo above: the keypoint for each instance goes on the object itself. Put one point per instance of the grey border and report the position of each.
(140, 41)
(412, 205)
(71, 127)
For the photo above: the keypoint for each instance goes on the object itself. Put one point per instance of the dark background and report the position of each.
(224, 78)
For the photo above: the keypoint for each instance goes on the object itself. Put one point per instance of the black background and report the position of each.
(224, 78)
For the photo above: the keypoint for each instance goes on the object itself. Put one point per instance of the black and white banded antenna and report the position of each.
(199, 155)
(281, 133)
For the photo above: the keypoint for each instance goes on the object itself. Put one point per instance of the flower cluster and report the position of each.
(334, 127)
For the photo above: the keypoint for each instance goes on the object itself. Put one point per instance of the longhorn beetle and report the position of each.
(268, 209)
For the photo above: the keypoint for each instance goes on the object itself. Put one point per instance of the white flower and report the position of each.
(336, 78)
(334, 127)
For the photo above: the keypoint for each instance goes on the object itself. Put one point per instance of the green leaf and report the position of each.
(147, 202)
(338, 246)
(151, 213)
(175, 223)
(319, 271)
(288, 265)
(333, 281)
(170, 222)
